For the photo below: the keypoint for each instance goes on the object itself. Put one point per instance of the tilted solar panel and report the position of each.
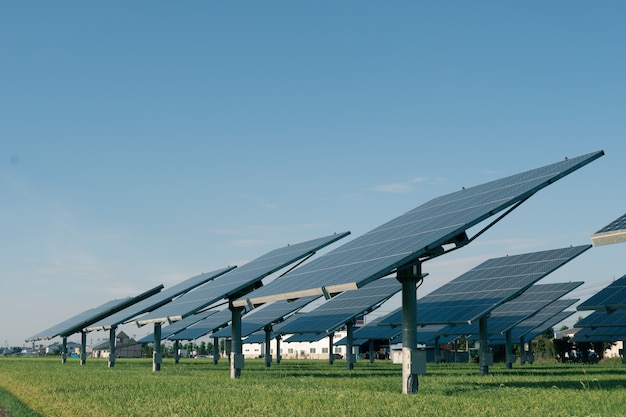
(416, 235)
(338, 311)
(242, 279)
(513, 312)
(612, 297)
(157, 300)
(212, 323)
(266, 315)
(178, 326)
(600, 334)
(82, 320)
(374, 330)
(477, 292)
(614, 232)
(600, 318)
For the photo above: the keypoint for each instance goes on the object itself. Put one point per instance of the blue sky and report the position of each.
(143, 143)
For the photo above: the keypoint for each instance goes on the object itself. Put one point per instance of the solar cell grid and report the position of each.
(600, 318)
(238, 280)
(479, 291)
(338, 311)
(157, 300)
(413, 235)
(210, 324)
(612, 297)
(86, 318)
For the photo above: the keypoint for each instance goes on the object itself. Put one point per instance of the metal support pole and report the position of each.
(372, 354)
(64, 350)
(176, 355)
(331, 349)
(112, 346)
(268, 350)
(508, 350)
(278, 356)
(437, 350)
(349, 348)
(236, 356)
(157, 355)
(216, 350)
(522, 351)
(484, 347)
(456, 349)
(624, 352)
(409, 276)
(531, 357)
(83, 347)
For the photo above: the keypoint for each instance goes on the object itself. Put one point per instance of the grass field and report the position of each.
(44, 387)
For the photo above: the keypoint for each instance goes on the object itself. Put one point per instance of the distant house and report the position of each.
(125, 347)
(55, 348)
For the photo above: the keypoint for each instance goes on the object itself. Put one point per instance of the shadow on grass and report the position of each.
(11, 406)
(583, 384)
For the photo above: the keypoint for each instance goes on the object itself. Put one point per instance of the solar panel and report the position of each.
(374, 330)
(79, 322)
(601, 318)
(553, 321)
(356, 342)
(240, 280)
(543, 320)
(157, 300)
(340, 310)
(266, 315)
(416, 235)
(513, 312)
(614, 232)
(211, 324)
(612, 297)
(178, 326)
(478, 291)
(257, 337)
(306, 337)
(599, 334)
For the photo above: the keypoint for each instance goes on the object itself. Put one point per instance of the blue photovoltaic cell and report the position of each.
(417, 234)
(600, 334)
(513, 312)
(542, 320)
(242, 279)
(157, 300)
(257, 337)
(615, 225)
(612, 297)
(477, 292)
(266, 315)
(374, 330)
(211, 324)
(602, 318)
(340, 310)
(79, 322)
(356, 342)
(178, 326)
(547, 325)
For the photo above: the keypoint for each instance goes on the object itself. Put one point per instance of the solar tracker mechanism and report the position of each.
(404, 243)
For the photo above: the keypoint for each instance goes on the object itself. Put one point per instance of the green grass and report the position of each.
(307, 388)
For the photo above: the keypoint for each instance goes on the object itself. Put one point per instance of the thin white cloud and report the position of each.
(400, 187)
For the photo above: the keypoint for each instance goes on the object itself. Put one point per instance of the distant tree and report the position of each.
(563, 327)
(202, 350)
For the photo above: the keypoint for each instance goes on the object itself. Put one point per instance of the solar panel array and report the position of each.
(82, 320)
(614, 232)
(478, 291)
(601, 318)
(238, 280)
(268, 314)
(612, 297)
(415, 235)
(513, 312)
(157, 300)
(178, 326)
(600, 334)
(544, 319)
(211, 324)
(374, 330)
(338, 311)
